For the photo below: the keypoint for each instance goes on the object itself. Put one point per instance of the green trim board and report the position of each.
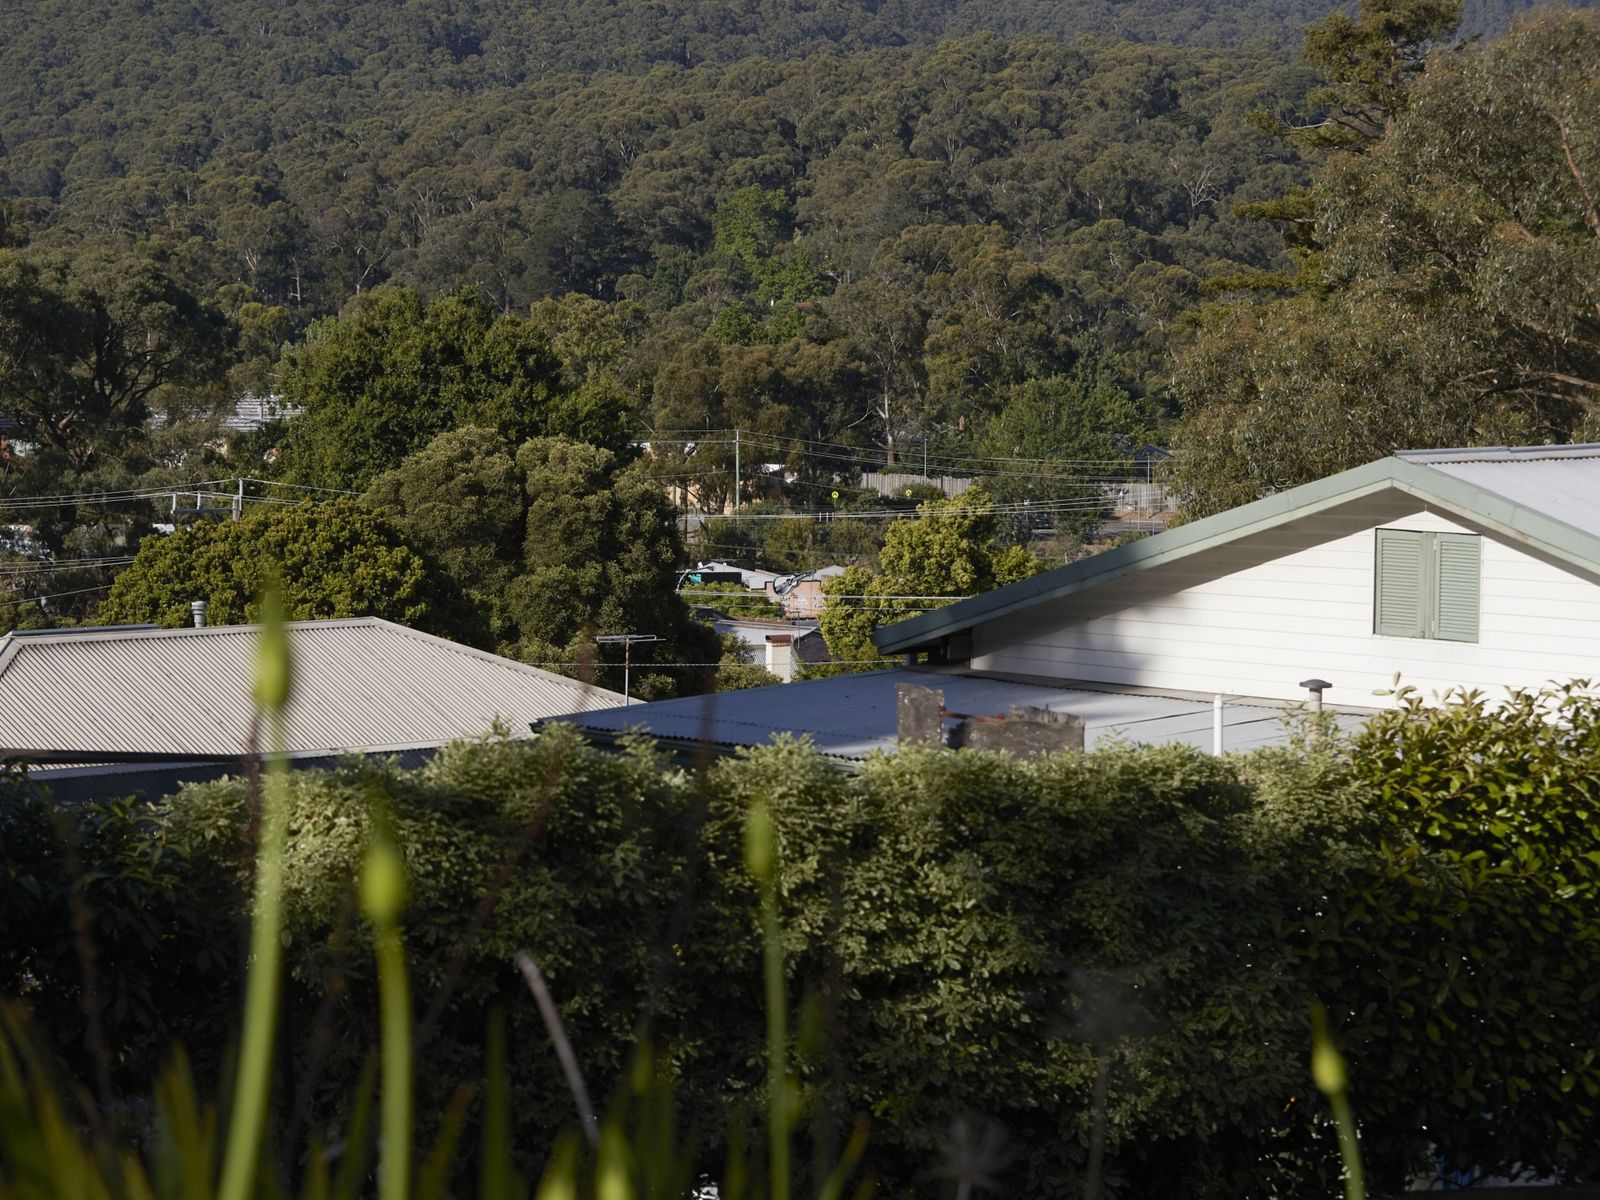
(1482, 507)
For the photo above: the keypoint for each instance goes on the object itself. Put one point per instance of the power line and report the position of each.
(820, 448)
(54, 596)
(1042, 507)
(80, 499)
(185, 487)
(70, 564)
(202, 487)
(828, 595)
(301, 487)
(751, 437)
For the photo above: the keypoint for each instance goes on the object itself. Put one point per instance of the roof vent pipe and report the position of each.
(198, 608)
(1316, 687)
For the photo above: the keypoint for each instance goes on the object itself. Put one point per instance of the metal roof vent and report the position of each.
(1316, 687)
(198, 608)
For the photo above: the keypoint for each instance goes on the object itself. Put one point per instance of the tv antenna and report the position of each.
(627, 641)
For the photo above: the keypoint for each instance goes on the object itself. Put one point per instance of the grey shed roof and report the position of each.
(141, 694)
(1546, 497)
(849, 716)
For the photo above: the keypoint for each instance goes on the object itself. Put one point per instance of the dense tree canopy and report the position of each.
(1068, 433)
(391, 373)
(1455, 299)
(89, 342)
(776, 271)
(335, 559)
(716, 190)
(850, 257)
(553, 544)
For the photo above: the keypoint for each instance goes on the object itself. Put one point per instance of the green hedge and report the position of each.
(990, 959)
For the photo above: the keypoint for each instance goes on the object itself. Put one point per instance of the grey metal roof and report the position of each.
(99, 694)
(849, 716)
(1560, 481)
(753, 631)
(1478, 485)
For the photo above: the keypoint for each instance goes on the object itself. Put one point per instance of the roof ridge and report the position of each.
(1500, 453)
(141, 632)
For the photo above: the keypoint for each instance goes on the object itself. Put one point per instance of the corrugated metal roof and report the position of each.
(849, 716)
(1562, 482)
(361, 683)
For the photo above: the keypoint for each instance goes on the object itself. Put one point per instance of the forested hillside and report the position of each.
(308, 195)
(856, 250)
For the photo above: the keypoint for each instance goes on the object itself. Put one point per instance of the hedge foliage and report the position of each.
(992, 960)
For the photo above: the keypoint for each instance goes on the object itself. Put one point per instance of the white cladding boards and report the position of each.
(1256, 616)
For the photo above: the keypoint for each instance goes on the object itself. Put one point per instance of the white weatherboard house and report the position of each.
(1455, 568)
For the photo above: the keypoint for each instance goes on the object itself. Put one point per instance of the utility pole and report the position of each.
(627, 641)
(736, 469)
(238, 501)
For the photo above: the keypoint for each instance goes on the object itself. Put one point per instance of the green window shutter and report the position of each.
(1400, 594)
(1458, 576)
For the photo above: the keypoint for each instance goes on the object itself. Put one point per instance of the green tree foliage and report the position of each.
(751, 190)
(90, 344)
(14, 224)
(948, 551)
(553, 542)
(392, 373)
(1457, 304)
(738, 668)
(1486, 191)
(1281, 393)
(732, 599)
(1488, 843)
(1065, 429)
(796, 543)
(334, 559)
(597, 935)
(116, 931)
(1370, 61)
(20, 612)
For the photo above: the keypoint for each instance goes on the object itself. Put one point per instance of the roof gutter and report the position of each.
(45, 758)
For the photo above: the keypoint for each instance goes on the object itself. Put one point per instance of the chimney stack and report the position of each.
(198, 608)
